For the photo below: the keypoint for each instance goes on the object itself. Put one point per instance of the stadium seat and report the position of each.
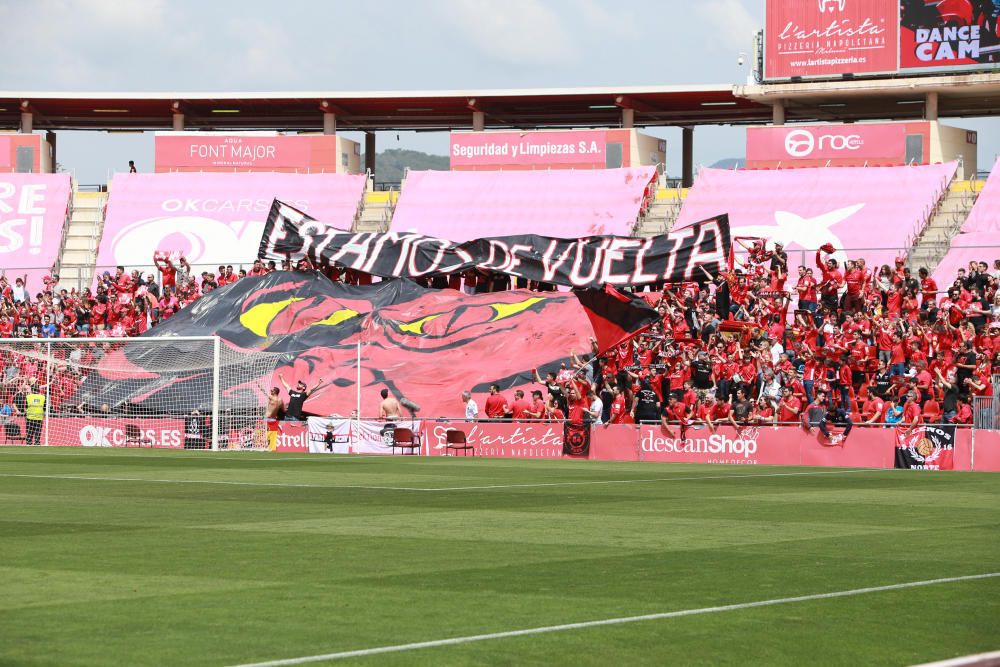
(404, 439)
(463, 205)
(456, 441)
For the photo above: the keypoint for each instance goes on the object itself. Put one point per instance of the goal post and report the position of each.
(172, 391)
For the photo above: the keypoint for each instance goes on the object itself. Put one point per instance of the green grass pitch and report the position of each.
(117, 557)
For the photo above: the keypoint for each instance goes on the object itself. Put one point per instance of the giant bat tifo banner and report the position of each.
(212, 218)
(423, 344)
(32, 215)
(586, 262)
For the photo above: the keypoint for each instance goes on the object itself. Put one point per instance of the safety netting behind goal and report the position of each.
(175, 392)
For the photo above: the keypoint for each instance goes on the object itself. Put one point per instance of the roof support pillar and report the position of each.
(687, 156)
(329, 123)
(27, 119)
(178, 121)
(931, 106)
(778, 112)
(628, 118)
(50, 139)
(478, 121)
(370, 152)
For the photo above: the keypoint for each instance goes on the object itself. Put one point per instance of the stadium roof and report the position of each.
(900, 98)
(868, 99)
(404, 110)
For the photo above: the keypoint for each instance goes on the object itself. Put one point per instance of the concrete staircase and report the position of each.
(663, 212)
(79, 252)
(376, 211)
(935, 240)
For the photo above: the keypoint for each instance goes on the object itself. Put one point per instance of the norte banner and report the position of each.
(586, 262)
(948, 35)
(824, 38)
(927, 447)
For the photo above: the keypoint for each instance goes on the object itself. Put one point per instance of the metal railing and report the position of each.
(986, 409)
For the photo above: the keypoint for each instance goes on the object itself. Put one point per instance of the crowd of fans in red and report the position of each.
(833, 346)
(844, 345)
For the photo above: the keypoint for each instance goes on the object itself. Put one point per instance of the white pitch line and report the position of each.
(991, 658)
(213, 481)
(431, 489)
(608, 621)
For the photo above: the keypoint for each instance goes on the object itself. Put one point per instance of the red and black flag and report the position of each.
(615, 316)
(926, 447)
(576, 439)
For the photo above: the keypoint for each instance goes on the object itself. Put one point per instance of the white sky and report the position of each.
(252, 45)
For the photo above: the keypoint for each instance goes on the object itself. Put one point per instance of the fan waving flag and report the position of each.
(616, 316)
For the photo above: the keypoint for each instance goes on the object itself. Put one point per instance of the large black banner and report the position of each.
(587, 262)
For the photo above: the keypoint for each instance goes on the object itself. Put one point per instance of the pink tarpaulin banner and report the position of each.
(213, 218)
(464, 205)
(885, 141)
(981, 228)
(873, 212)
(32, 215)
(584, 147)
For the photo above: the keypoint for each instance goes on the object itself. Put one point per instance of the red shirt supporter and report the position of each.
(964, 414)
(874, 410)
(520, 406)
(789, 408)
(833, 279)
(855, 281)
(496, 405)
(806, 288)
(912, 414)
(618, 412)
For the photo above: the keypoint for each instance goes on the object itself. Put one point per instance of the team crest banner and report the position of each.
(586, 262)
(927, 447)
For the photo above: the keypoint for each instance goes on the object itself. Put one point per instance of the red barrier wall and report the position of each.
(784, 445)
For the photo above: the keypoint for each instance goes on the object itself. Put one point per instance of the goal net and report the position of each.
(190, 392)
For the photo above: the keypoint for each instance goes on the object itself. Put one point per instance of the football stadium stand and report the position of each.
(460, 206)
(877, 210)
(978, 237)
